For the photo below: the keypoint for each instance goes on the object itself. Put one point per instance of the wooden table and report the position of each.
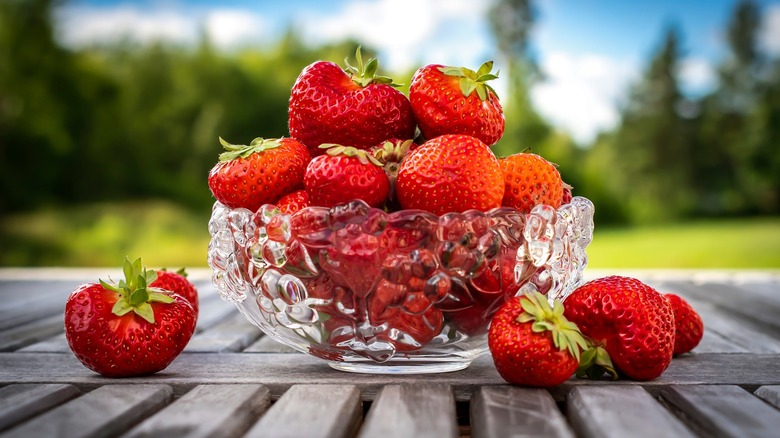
(232, 381)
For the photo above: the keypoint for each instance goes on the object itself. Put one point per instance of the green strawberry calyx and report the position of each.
(471, 80)
(393, 152)
(233, 151)
(334, 150)
(543, 317)
(365, 74)
(596, 363)
(135, 294)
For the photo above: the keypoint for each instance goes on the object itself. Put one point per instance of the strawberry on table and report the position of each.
(630, 326)
(129, 328)
(344, 174)
(688, 326)
(450, 173)
(456, 100)
(532, 343)
(353, 107)
(249, 176)
(177, 282)
(530, 180)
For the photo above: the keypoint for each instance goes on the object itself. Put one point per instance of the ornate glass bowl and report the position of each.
(402, 292)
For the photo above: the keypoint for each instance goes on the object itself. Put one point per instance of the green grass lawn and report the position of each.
(164, 234)
(733, 243)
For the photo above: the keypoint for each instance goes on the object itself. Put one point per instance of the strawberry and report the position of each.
(629, 324)
(532, 343)
(293, 202)
(453, 100)
(248, 176)
(344, 174)
(352, 107)
(177, 283)
(530, 180)
(450, 173)
(688, 326)
(129, 328)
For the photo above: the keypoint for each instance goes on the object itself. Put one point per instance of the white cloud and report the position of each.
(232, 27)
(582, 92)
(696, 75)
(770, 31)
(404, 38)
(81, 25)
(84, 25)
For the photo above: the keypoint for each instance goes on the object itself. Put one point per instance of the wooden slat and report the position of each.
(22, 401)
(768, 290)
(503, 411)
(106, 411)
(208, 411)
(280, 371)
(312, 411)
(54, 344)
(212, 309)
(233, 334)
(770, 394)
(26, 334)
(724, 410)
(620, 411)
(712, 342)
(741, 333)
(267, 345)
(750, 306)
(412, 410)
(24, 302)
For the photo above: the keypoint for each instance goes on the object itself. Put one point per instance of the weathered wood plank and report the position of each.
(267, 345)
(22, 401)
(742, 333)
(26, 334)
(620, 411)
(768, 290)
(207, 411)
(770, 394)
(723, 410)
(106, 411)
(233, 334)
(54, 344)
(418, 410)
(211, 311)
(23, 302)
(280, 371)
(503, 411)
(312, 411)
(752, 307)
(712, 342)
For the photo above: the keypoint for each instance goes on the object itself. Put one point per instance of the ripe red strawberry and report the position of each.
(688, 326)
(292, 202)
(129, 328)
(453, 100)
(627, 320)
(530, 180)
(353, 107)
(532, 343)
(260, 173)
(344, 174)
(178, 283)
(450, 173)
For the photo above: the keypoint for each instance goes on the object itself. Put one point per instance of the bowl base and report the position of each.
(405, 367)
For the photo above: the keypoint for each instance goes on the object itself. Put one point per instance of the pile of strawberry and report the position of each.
(353, 135)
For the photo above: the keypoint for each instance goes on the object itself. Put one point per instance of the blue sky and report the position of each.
(590, 50)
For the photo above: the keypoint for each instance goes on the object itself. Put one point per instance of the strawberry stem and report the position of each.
(134, 291)
(566, 335)
(471, 81)
(365, 74)
(233, 151)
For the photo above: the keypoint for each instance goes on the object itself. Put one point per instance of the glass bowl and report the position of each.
(402, 292)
